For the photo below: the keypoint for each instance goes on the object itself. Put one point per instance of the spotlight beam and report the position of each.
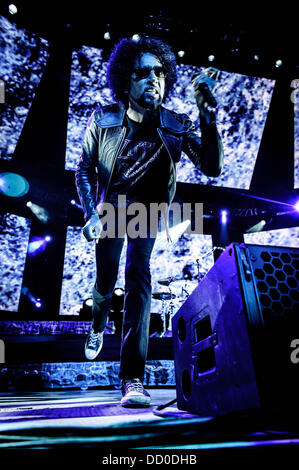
(267, 200)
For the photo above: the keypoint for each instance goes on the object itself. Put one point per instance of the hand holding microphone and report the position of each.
(203, 85)
(93, 228)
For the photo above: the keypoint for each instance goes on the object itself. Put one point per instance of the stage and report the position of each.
(92, 426)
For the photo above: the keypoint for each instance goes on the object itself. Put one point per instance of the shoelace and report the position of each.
(93, 339)
(134, 386)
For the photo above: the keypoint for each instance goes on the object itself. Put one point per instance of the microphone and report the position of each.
(205, 83)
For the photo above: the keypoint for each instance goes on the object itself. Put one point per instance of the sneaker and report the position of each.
(93, 344)
(134, 394)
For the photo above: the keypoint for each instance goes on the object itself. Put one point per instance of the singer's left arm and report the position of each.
(206, 152)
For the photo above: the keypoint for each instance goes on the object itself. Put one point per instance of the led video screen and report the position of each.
(23, 57)
(14, 237)
(189, 256)
(243, 103)
(279, 237)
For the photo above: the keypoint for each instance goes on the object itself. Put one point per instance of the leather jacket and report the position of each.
(105, 134)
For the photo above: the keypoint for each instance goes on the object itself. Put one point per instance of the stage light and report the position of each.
(223, 228)
(107, 36)
(88, 302)
(175, 233)
(117, 303)
(35, 301)
(136, 37)
(41, 213)
(74, 203)
(12, 9)
(211, 58)
(296, 206)
(257, 227)
(13, 185)
(181, 53)
(118, 291)
(278, 63)
(178, 230)
(256, 57)
(38, 244)
(85, 312)
(223, 216)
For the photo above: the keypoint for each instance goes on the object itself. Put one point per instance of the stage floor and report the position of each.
(92, 425)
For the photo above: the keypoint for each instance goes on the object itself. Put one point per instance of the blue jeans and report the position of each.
(137, 300)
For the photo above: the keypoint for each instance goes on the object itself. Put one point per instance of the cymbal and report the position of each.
(163, 295)
(184, 284)
(168, 280)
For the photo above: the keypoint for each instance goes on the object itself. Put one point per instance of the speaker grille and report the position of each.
(277, 279)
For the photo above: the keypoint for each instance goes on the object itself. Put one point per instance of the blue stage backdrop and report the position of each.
(243, 103)
(14, 236)
(279, 237)
(23, 57)
(167, 260)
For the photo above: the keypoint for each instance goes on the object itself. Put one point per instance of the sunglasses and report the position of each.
(143, 72)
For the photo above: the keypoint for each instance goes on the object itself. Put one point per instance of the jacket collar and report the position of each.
(113, 115)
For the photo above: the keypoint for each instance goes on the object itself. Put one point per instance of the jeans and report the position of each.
(137, 299)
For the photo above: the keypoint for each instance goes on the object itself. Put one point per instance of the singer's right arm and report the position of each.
(206, 152)
(210, 149)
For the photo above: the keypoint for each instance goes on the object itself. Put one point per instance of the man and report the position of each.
(131, 148)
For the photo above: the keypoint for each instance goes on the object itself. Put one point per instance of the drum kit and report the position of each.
(179, 289)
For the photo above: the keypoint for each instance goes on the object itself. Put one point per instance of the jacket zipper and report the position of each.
(172, 197)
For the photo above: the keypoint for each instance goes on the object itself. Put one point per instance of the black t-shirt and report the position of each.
(141, 170)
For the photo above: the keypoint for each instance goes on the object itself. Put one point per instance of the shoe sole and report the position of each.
(135, 401)
(94, 355)
(91, 358)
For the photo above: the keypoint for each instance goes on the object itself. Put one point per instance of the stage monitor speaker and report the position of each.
(232, 336)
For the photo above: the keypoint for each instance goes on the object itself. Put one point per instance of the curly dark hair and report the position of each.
(121, 64)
